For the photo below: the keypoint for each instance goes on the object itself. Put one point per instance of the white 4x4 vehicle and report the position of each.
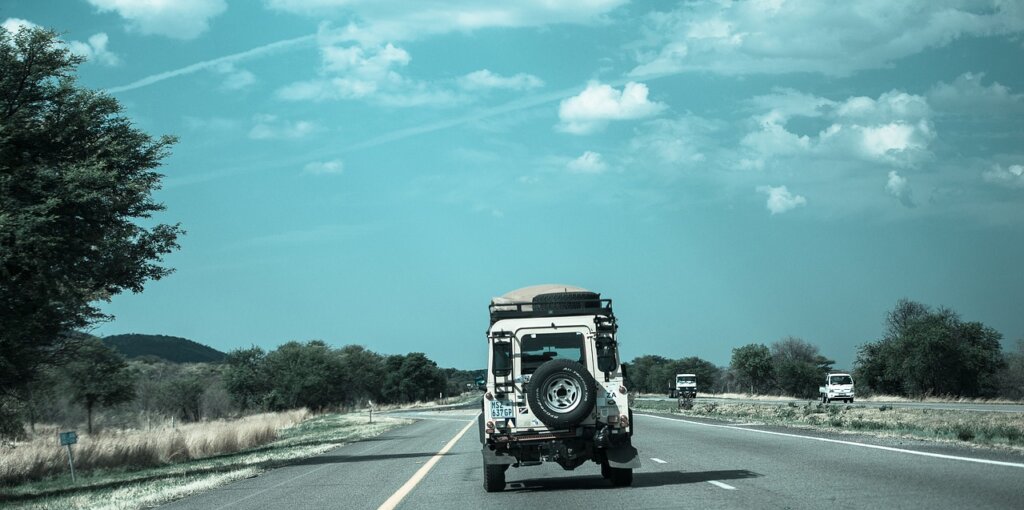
(555, 390)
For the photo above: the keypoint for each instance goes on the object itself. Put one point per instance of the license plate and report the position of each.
(501, 409)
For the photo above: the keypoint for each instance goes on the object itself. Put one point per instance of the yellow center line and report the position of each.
(418, 476)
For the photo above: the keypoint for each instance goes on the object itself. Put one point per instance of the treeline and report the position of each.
(790, 366)
(922, 352)
(97, 386)
(316, 376)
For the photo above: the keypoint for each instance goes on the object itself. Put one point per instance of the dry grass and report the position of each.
(42, 457)
(948, 399)
(992, 429)
(125, 489)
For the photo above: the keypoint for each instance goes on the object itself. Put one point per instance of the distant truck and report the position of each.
(838, 386)
(686, 386)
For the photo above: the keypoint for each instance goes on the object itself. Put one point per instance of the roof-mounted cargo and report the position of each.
(549, 300)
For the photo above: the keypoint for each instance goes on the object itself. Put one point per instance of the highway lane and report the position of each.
(700, 464)
(957, 406)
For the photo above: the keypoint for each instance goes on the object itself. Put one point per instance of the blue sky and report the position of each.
(374, 171)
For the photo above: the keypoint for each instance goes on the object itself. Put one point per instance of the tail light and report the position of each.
(613, 419)
(624, 421)
(488, 396)
(622, 389)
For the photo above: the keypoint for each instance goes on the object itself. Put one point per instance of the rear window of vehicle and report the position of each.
(538, 348)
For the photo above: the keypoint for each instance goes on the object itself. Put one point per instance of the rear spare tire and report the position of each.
(557, 301)
(561, 393)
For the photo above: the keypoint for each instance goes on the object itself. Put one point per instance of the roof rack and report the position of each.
(551, 308)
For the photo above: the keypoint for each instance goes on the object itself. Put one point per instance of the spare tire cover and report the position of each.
(561, 393)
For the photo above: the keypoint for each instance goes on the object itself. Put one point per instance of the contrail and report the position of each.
(199, 66)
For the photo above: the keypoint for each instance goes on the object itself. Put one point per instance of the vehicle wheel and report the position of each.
(494, 477)
(606, 470)
(632, 424)
(621, 477)
(561, 393)
(851, 400)
(824, 399)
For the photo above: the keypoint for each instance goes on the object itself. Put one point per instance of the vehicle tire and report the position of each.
(566, 301)
(621, 477)
(632, 424)
(494, 477)
(606, 470)
(851, 400)
(824, 399)
(561, 393)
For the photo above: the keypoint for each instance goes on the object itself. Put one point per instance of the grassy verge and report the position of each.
(860, 398)
(126, 488)
(990, 429)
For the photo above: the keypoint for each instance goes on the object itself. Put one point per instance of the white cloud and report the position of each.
(180, 19)
(780, 199)
(1010, 176)
(822, 37)
(364, 72)
(332, 167)
(485, 79)
(591, 110)
(895, 128)
(94, 50)
(398, 20)
(589, 163)
(15, 25)
(967, 95)
(234, 78)
(898, 187)
(270, 127)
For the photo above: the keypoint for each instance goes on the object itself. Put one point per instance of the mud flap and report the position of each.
(623, 457)
(491, 458)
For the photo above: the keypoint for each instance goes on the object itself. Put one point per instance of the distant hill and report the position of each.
(171, 348)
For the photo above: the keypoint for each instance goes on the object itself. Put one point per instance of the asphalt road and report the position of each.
(686, 464)
(958, 406)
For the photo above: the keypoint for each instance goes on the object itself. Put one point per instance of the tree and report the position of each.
(304, 375)
(932, 352)
(753, 363)
(99, 376)
(75, 179)
(364, 371)
(798, 367)
(245, 378)
(1011, 378)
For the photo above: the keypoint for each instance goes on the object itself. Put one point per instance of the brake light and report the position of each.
(624, 421)
(488, 396)
(490, 424)
(613, 419)
(622, 389)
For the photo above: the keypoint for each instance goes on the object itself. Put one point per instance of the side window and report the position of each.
(501, 363)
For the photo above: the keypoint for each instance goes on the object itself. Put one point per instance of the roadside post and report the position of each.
(371, 409)
(67, 439)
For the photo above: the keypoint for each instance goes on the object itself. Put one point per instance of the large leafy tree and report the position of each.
(798, 367)
(753, 364)
(927, 351)
(76, 185)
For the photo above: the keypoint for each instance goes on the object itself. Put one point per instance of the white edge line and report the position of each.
(659, 461)
(851, 443)
(725, 486)
(418, 476)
